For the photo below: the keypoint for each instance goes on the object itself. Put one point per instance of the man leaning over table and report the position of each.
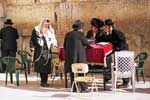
(92, 36)
(118, 39)
(96, 29)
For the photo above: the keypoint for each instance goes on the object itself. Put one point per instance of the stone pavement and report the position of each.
(56, 91)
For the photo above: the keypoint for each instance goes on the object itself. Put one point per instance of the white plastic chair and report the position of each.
(82, 68)
(123, 67)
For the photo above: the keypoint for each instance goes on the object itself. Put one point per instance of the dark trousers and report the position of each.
(83, 85)
(125, 81)
(44, 77)
(108, 67)
(11, 53)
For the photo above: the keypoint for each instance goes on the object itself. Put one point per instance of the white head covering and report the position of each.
(48, 34)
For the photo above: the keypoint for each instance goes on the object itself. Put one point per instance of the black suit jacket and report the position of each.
(117, 38)
(90, 35)
(9, 35)
(74, 46)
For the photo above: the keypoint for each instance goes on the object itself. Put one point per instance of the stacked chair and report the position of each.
(11, 68)
(123, 67)
(140, 60)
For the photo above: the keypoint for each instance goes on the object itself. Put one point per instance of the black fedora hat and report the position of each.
(8, 21)
(97, 22)
(109, 22)
(77, 25)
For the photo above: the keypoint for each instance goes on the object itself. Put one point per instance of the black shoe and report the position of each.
(108, 80)
(122, 86)
(74, 90)
(44, 84)
(85, 91)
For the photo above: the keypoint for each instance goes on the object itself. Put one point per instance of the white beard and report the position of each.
(44, 30)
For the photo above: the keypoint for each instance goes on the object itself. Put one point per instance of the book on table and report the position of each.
(103, 43)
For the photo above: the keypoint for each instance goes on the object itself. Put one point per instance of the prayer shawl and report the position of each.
(49, 37)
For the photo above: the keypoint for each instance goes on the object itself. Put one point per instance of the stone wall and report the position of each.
(130, 16)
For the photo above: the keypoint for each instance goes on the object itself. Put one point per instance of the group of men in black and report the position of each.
(101, 31)
(74, 43)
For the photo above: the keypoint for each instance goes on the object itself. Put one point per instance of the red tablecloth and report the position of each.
(94, 55)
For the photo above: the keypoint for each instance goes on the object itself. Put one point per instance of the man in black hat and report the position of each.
(96, 30)
(114, 36)
(74, 46)
(118, 39)
(93, 36)
(8, 34)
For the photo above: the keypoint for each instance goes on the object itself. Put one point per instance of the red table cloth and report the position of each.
(97, 54)
(93, 55)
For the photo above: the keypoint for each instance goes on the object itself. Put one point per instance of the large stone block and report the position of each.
(1, 10)
(49, 1)
(20, 2)
(26, 17)
(1, 14)
(76, 0)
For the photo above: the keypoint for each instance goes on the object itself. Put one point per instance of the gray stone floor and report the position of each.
(56, 91)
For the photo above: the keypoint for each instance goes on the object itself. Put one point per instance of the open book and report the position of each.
(91, 40)
(103, 43)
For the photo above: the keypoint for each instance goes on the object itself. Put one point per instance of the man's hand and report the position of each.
(32, 49)
(91, 45)
(39, 34)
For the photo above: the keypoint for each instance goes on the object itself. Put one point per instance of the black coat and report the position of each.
(39, 66)
(74, 46)
(90, 35)
(9, 35)
(117, 38)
